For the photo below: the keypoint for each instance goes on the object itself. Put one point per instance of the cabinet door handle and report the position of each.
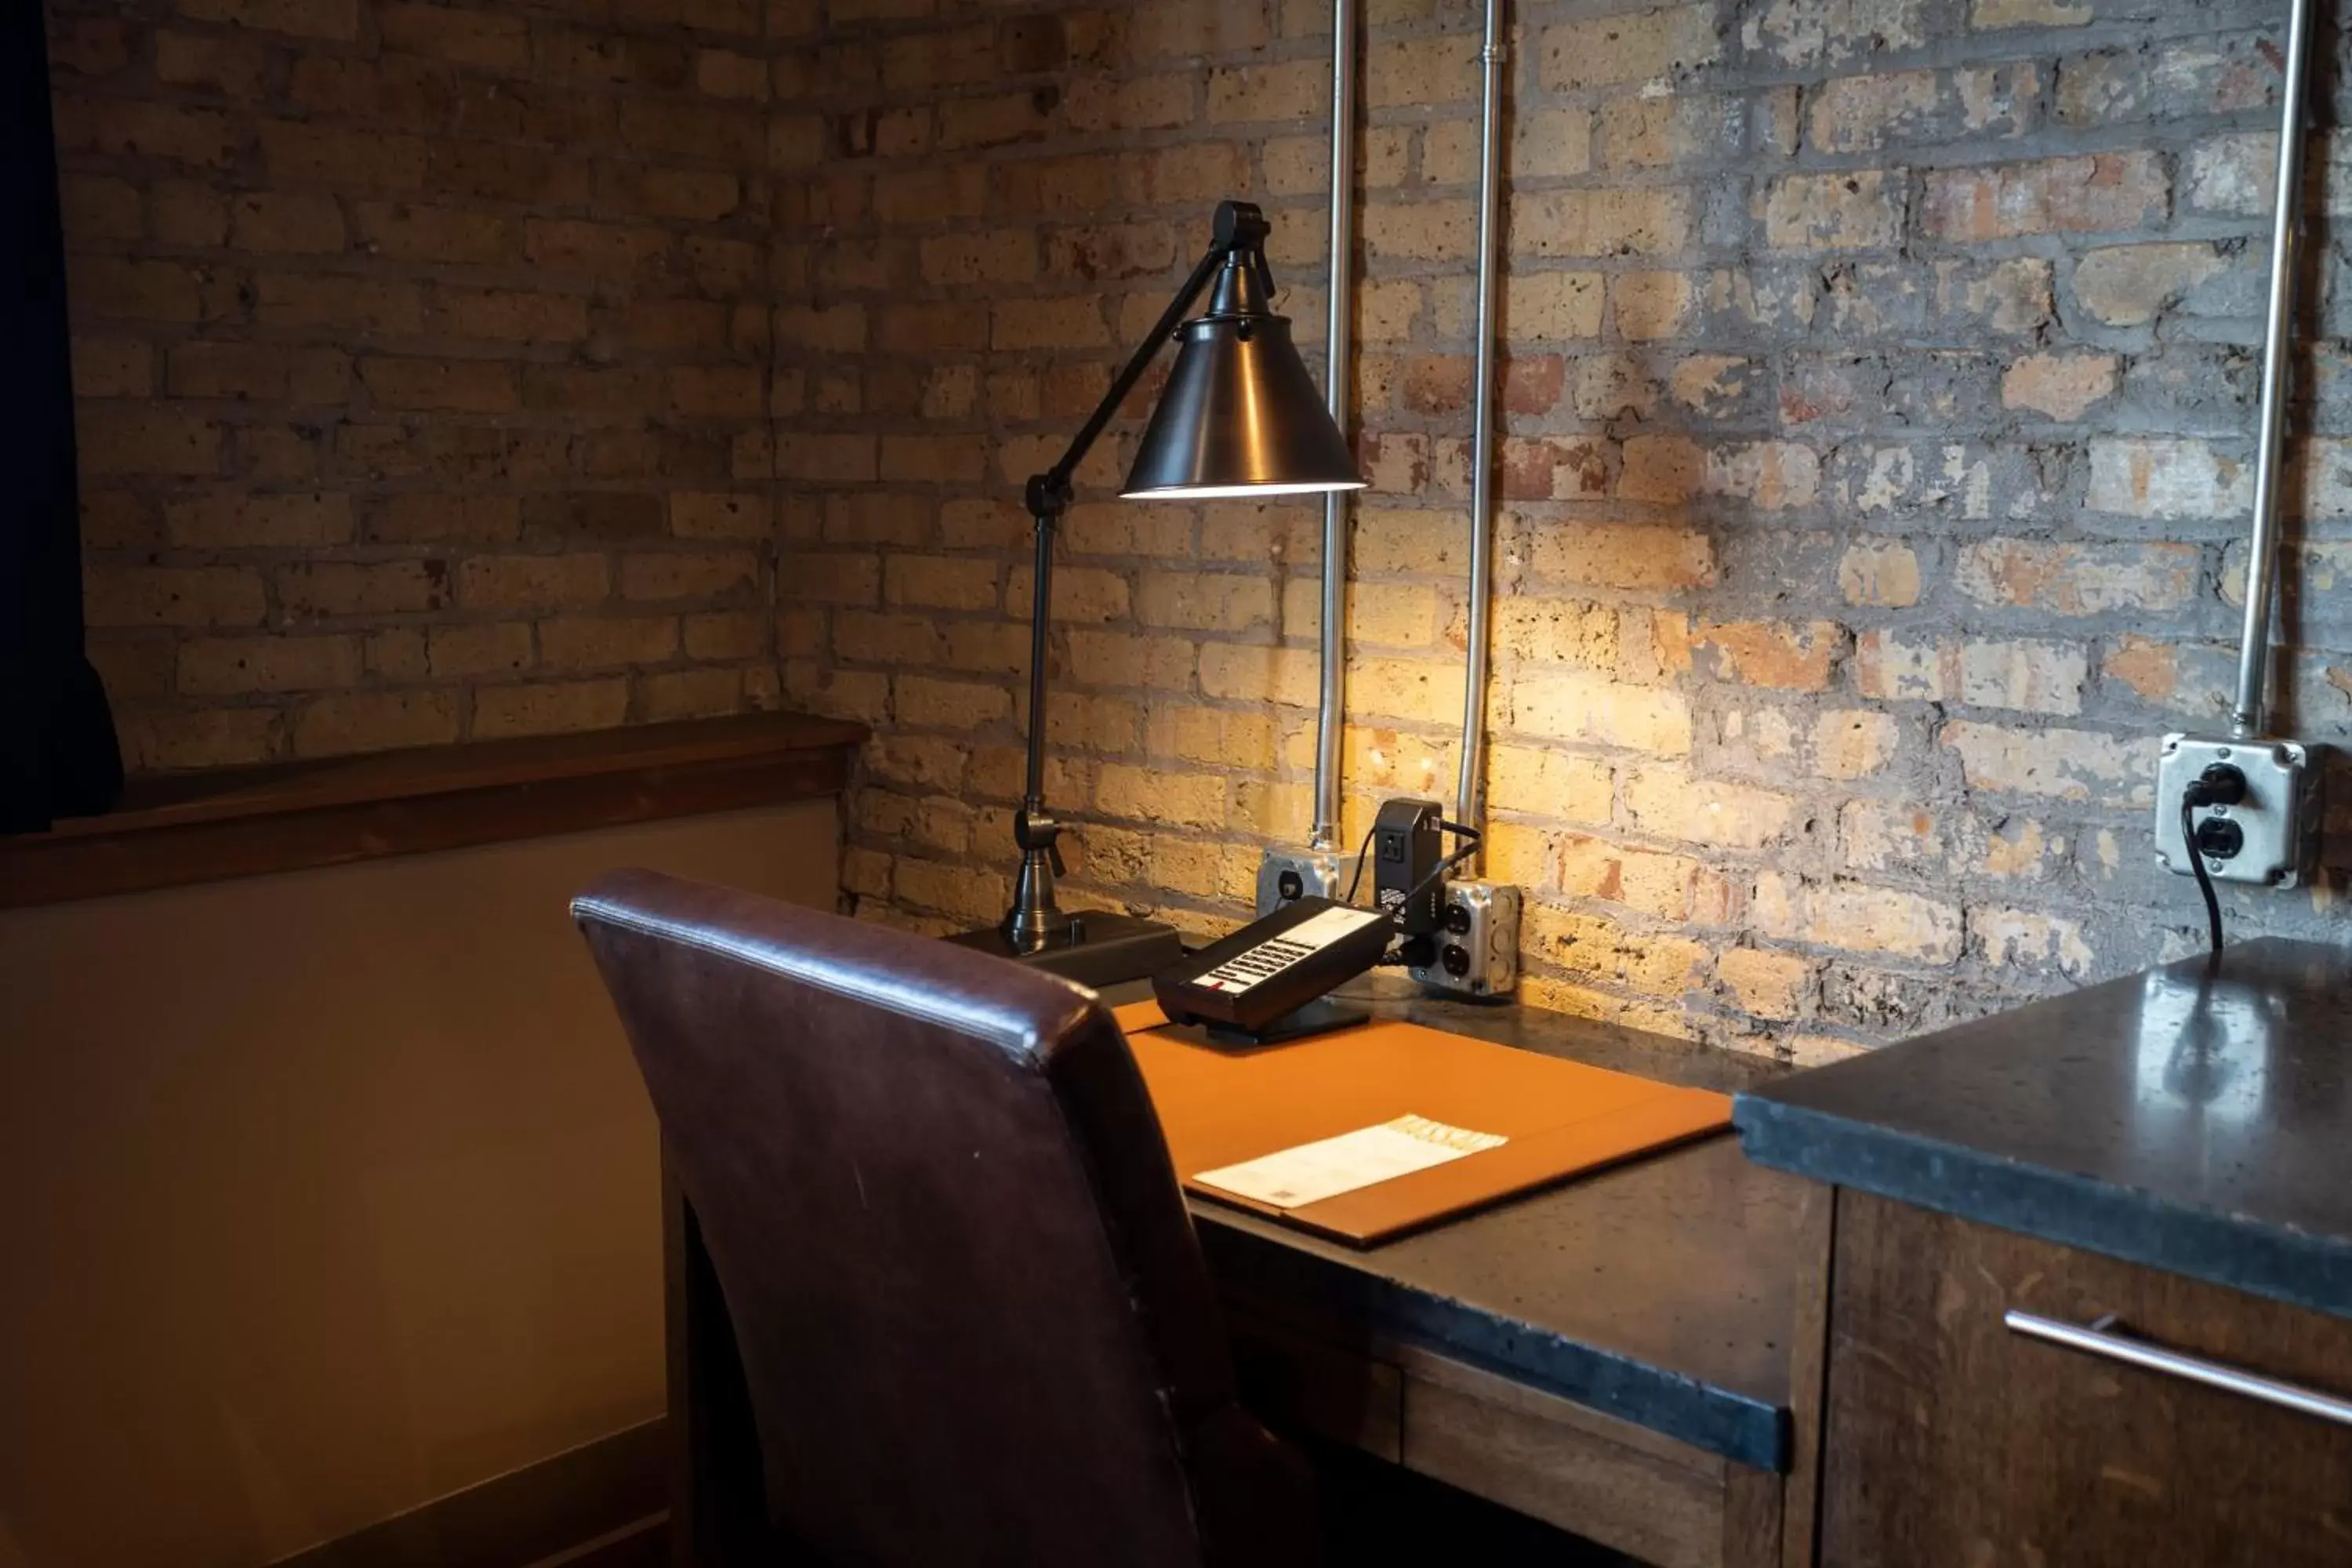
(2100, 1339)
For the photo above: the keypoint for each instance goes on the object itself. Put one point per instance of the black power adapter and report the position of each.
(1406, 852)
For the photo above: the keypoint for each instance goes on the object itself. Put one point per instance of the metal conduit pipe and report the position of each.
(1470, 793)
(1339, 388)
(2250, 716)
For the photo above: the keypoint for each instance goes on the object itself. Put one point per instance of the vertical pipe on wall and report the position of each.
(2250, 716)
(1337, 383)
(1470, 794)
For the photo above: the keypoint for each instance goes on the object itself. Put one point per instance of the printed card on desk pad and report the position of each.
(1310, 1173)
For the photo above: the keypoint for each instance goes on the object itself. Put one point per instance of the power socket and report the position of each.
(2277, 824)
(1477, 940)
(1286, 875)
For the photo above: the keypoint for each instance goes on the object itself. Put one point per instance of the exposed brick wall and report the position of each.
(1879, 381)
(1878, 387)
(421, 354)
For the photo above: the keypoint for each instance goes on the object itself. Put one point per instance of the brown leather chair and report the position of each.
(972, 1320)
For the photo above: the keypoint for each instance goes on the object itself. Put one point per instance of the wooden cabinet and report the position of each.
(1953, 1438)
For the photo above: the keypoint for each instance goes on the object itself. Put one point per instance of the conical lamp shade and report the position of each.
(1240, 416)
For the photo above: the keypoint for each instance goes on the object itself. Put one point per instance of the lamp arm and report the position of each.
(1051, 489)
(1241, 228)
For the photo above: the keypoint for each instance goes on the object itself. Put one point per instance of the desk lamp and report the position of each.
(1239, 417)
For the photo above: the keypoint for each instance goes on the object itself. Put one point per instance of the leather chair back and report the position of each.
(972, 1314)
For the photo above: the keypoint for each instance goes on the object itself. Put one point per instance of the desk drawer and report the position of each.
(1606, 1479)
(1956, 1438)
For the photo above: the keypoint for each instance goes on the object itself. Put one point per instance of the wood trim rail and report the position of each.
(211, 827)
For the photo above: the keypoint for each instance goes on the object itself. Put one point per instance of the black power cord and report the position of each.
(1361, 850)
(2197, 864)
(2219, 785)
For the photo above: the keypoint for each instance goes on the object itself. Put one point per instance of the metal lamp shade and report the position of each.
(1240, 417)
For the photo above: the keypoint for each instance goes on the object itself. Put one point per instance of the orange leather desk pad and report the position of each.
(1562, 1119)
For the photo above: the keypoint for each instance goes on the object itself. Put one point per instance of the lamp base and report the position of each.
(1102, 949)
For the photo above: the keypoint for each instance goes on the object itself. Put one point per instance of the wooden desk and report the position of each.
(1611, 1356)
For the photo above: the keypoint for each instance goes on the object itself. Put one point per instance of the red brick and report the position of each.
(584, 389)
(1533, 383)
(184, 213)
(672, 694)
(349, 161)
(370, 307)
(724, 635)
(98, 206)
(593, 514)
(709, 574)
(528, 583)
(1791, 657)
(478, 38)
(202, 138)
(446, 385)
(607, 252)
(333, 19)
(698, 195)
(223, 667)
(89, 45)
(355, 588)
(675, 325)
(710, 132)
(2106, 192)
(495, 171)
(286, 223)
(117, 518)
(235, 67)
(1644, 47)
(513, 315)
(390, 93)
(439, 519)
(134, 670)
(2080, 579)
(156, 741)
(112, 367)
(108, 288)
(1856, 210)
(174, 597)
(146, 439)
(717, 392)
(1619, 555)
(259, 373)
(374, 722)
(548, 709)
(606, 642)
(240, 520)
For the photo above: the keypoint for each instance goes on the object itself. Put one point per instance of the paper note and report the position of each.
(1293, 1178)
(1276, 953)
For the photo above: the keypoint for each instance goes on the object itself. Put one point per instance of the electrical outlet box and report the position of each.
(1477, 940)
(1287, 876)
(2277, 824)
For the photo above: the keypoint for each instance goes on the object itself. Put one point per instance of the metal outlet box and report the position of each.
(2279, 817)
(1477, 940)
(1285, 876)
